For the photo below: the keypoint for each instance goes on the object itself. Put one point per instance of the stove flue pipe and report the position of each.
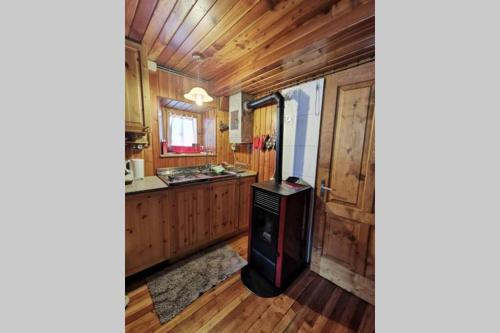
(280, 101)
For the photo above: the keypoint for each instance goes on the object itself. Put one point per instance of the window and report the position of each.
(182, 130)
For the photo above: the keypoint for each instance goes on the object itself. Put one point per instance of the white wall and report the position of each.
(303, 105)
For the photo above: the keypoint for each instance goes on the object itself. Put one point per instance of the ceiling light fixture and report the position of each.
(198, 94)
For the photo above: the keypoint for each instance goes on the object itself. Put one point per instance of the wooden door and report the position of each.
(189, 215)
(144, 237)
(244, 193)
(343, 244)
(224, 205)
(133, 89)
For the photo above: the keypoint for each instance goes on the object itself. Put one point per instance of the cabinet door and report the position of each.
(133, 89)
(144, 236)
(223, 203)
(244, 193)
(346, 166)
(189, 215)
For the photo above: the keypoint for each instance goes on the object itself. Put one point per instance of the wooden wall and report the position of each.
(165, 84)
(264, 162)
(168, 85)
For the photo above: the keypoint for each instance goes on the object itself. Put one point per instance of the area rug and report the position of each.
(179, 285)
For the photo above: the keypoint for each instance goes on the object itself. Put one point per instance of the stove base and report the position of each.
(258, 284)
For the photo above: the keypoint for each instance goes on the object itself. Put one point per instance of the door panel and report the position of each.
(223, 196)
(343, 240)
(133, 92)
(189, 216)
(143, 231)
(346, 242)
(244, 193)
(350, 132)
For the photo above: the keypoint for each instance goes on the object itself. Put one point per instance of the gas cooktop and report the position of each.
(179, 176)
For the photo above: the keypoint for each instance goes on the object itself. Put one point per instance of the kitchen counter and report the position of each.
(153, 183)
(150, 183)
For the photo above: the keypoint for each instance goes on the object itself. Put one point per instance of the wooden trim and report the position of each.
(350, 213)
(346, 279)
(250, 224)
(281, 240)
(174, 155)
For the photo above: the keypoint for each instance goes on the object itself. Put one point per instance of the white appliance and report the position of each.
(240, 121)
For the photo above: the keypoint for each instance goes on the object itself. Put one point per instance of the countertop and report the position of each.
(153, 183)
(150, 183)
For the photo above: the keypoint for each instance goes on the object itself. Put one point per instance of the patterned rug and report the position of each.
(179, 285)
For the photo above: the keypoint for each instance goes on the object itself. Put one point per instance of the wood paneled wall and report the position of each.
(264, 123)
(168, 85)
(264, 162)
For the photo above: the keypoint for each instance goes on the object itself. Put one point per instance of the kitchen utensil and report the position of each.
(265, 138)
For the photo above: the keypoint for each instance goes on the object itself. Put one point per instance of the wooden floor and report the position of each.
(311, 304)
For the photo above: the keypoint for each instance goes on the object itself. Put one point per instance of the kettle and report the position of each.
(129, 174)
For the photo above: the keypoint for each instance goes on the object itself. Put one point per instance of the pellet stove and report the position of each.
(277, 234)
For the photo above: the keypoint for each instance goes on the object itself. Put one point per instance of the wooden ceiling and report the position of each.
(253, 45)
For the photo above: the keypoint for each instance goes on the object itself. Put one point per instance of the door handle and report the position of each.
(324, 188)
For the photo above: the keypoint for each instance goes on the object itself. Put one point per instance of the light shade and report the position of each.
(198, 95)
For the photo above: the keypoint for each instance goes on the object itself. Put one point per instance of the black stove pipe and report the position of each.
(280, 101)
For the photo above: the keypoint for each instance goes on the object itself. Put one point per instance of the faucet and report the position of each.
(208, 166)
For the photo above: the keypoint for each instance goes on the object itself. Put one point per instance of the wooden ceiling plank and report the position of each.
(328, 29)
(174, 21)
(158, 19)
(342, 60)
(141, 19)
(320, 72)
(348, 55)
(315, 60)
(233, 16)
(305, 64)
(241, 25)
(130, 7)
(278, 24)
(361, 31)
(265, 27)
(209, 21)
(194, 17)
(313, 24)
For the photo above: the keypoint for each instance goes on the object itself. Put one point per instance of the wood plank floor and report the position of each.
(311, 304)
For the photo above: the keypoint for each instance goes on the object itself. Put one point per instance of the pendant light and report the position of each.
(198, 94)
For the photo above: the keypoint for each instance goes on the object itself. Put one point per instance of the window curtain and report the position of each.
(182, 130)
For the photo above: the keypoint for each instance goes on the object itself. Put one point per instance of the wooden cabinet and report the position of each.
(137, 104)
(344, 242)
(134, 111)
(145, 233)
(189, 215)
(244, 193)
(175, 222)
(224, 204)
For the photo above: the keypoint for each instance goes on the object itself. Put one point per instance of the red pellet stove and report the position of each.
(277, 234)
